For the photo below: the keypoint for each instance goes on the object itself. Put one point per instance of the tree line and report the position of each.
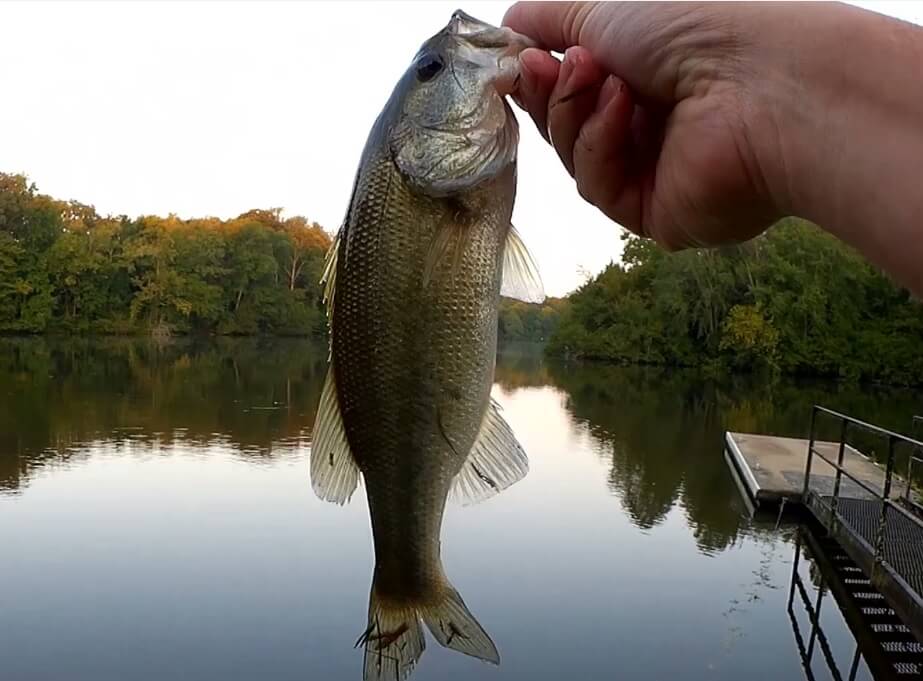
(794, 300)
(65, 268)
(533, 322)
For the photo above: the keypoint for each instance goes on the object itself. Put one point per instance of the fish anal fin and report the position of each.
(521, 279)
(495, 462)
(334, 473)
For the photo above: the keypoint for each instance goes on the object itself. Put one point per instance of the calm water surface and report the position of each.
(157, 522)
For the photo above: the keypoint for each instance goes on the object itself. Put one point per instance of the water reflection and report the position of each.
(157, 521)
(657, 430)
(61, 396)
(838, 635)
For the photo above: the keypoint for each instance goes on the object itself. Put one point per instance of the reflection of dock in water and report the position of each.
(871, 516)
(884, 645)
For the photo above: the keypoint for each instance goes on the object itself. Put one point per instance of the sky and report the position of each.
(214, 108)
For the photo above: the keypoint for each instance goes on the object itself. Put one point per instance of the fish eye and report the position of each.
(428, 67)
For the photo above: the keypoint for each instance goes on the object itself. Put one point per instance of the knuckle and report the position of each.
(584, 178)
(583, 189)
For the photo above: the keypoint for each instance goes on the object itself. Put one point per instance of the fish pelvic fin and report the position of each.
(334, 473)
(495, 462)
(393, 641)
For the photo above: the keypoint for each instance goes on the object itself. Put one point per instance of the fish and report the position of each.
(412, 285)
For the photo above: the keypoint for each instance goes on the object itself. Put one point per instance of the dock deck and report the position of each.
(772, 468)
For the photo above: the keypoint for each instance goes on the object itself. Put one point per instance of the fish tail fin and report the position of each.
(393, 639)
(453, 626)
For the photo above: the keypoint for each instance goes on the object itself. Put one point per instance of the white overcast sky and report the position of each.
(214, 108)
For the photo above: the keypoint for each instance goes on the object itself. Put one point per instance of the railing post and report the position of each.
(885, 500)
(807, 467)
(915, 431)
(909, 481)
(839, 472)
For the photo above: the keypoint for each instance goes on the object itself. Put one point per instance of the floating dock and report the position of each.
(868, 511)
(770, 469)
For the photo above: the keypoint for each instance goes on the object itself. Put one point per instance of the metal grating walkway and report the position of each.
(903, 538)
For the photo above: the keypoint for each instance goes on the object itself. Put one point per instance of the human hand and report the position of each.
(655, 112)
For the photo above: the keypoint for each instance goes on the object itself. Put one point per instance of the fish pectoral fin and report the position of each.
(453, 626)
(495, 462)
(334, 473)
(447, 244)
(521, 279)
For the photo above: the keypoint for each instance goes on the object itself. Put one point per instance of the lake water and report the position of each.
(157, 522)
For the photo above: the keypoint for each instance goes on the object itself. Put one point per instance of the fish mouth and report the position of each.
(481, 34)
(502, 43)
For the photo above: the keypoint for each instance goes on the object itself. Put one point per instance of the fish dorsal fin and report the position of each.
(334, 473)
(495, 462)
(521, 279)
(329, 276)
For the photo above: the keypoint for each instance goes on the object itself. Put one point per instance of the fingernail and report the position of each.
(528, 78)
(573, 59)
(611, 87)
(567, 68)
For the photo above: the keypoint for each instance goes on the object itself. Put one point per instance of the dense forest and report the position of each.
(794, 300)
(64, 268)
(520, 321)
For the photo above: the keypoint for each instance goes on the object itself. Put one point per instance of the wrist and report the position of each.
(836, 104)
(845, 103)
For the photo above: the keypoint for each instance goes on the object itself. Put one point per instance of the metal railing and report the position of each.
(884, 495)
(916, 457)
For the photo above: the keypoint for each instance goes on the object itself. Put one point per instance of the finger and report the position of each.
(555, 25)
(602, 155)
(572, 101)
(539, 74)
(657, 48)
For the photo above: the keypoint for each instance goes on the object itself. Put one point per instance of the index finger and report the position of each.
(661, 49)
(555, 25)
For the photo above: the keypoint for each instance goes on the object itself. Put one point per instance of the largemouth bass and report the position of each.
(413, 282)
